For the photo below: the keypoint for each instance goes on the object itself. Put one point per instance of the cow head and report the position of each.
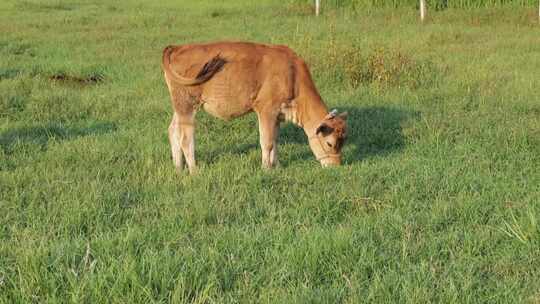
(329, 138)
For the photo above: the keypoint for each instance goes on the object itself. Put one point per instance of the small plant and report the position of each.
(525, 231)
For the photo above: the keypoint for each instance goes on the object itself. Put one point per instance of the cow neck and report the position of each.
(312, 110)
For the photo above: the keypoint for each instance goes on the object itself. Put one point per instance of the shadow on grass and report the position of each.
(372, 131)
(375, 131)
(41, 135)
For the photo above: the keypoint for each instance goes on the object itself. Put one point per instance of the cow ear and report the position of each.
(343, 115)
(331, 114)
(324, 129)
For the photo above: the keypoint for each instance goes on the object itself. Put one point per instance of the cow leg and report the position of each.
(187, 139)
(182, 128)
(268, 131)
(273, 153)
(174, 139)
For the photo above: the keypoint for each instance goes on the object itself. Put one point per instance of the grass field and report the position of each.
(438, 200)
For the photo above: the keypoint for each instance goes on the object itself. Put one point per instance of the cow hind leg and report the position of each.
(187, 140)
(182, 130)
(174, 140)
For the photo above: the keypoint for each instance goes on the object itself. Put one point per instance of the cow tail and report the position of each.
(209, 69)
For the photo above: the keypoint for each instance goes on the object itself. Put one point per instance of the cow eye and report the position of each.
(329, 144)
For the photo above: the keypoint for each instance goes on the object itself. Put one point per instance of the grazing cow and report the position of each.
(230, 79)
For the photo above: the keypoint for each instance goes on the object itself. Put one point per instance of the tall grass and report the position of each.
(438, 4)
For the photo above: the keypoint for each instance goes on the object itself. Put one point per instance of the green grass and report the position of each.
(438, 200)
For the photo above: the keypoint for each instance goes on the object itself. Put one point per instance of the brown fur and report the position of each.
(230, 79)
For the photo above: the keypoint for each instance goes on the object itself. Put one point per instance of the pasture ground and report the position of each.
(438, 200)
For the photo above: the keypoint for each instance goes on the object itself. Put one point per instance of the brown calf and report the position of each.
(230, 79)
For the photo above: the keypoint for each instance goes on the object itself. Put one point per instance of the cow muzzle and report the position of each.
(326, 158)
(330, 161)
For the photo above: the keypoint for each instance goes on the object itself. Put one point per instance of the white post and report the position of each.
(317, 7)
(422, 10)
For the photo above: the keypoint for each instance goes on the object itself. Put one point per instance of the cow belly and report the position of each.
(226, 99)
(224, 109)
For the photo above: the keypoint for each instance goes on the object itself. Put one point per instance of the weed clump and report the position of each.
(382, 67)
(391, 68)
(299, 9)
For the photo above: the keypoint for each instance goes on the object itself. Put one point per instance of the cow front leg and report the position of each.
(174, 140)
(273, 153)
(268, 131)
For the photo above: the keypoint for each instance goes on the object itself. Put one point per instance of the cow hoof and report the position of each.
(178, 170)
